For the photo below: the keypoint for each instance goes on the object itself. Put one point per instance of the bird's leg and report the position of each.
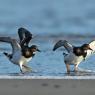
(76, 67)
(68, 68)
(28, 68)
(21, 67)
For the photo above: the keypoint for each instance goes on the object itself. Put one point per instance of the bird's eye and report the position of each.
(85, 50)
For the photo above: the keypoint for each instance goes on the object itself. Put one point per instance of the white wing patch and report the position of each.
(92, 45)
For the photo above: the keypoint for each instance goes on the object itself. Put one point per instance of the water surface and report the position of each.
(48, 21)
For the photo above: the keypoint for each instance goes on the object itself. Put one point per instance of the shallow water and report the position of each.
(47, 62)
(49, 21)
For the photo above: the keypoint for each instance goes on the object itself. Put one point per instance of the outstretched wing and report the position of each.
(64, 43)
(24, 35)
(15, 45)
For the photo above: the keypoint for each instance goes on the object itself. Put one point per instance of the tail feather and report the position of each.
(8, 55)
(65, 54)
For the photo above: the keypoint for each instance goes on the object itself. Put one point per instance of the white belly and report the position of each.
(73, 59)
(18, 58)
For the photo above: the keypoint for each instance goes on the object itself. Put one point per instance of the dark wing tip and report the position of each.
(54, 49)
(21, 28)
(58, 44)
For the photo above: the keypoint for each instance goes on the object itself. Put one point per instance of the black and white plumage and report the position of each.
(75, 54)
(21, 52)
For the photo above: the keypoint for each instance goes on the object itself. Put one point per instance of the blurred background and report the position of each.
(49, 21)
(48, 16)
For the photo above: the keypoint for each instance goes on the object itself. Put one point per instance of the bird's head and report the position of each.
(34, 48)
(86, 47)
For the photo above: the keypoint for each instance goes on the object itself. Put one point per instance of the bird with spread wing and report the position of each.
(75, 55)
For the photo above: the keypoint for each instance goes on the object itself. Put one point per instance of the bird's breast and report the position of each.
(27, 54)
(18, 58)
(73, 59)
